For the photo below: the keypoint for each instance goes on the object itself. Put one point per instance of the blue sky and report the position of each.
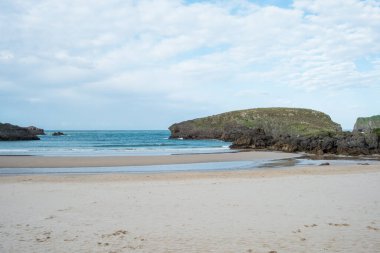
(147, 64)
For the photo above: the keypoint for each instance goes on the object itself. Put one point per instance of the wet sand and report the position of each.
(296, 209)
(111, 161)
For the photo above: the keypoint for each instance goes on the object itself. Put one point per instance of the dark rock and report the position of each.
(249, 138)
(279, 133)
(10, 132)
(58, 134)
(324, 164)
(358, 144)
(36, 130)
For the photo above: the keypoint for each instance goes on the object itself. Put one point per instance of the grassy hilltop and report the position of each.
(367, 124)
(275, 121)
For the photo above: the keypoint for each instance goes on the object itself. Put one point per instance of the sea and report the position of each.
(111, 143)
(135, 143)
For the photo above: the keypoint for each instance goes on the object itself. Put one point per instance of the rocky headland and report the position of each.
(9, 132)
(36, 130)
(367, 124)
(280, 129)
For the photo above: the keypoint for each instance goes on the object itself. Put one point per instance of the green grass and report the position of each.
(376, 131)
(368, 123)
(292, 121)
(366, 120)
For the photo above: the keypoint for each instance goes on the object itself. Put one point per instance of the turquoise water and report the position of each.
(128, 142)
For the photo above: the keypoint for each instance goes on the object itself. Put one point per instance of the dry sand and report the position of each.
(309, 209)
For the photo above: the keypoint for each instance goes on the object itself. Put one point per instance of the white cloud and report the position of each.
(207, 50)
(6, 56)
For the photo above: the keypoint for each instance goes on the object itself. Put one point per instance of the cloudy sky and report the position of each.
(120, 64)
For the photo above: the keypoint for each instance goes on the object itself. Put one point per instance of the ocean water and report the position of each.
(111, 143)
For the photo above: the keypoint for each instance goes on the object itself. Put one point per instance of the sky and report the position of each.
(129, 64)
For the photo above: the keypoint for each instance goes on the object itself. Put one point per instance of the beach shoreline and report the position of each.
(298, 209)
(292, 171)
(112, 161)
(309, 208)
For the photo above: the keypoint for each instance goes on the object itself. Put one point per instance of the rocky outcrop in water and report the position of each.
(367, 124)
(279, 129)
(274, 121)
(345, 143)
(58, 134)
(10, 132)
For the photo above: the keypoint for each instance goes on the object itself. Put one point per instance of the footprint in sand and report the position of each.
(372, 228)
(310, 226)
(297, 231)
(119, 233)
(45, 237)
(339, 224)
(71, 239)
(121, 239)
(251, 251)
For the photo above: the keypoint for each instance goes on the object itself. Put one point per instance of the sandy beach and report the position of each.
(296, 209)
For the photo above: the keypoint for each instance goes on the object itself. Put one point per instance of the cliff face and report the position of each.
(10, 132)
(279, 129)
(367, 124)
(274, 121)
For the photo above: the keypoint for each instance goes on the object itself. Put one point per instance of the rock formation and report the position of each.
(58, 134)
(345, 143)
(274, 121)
(10, 132)
(367, 124)
(280, 129)
(36, 130)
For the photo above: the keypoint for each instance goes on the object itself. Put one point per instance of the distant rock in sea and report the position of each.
(280, 129)
(58, 134)
(367, 124)
(9, 132)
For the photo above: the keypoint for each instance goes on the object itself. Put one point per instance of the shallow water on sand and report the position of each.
(198, 167)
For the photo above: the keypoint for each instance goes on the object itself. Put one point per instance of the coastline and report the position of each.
(243, 174)
(307, 208)
(112, 161)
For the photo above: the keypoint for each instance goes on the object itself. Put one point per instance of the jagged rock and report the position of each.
(36, 130)
(281, 132)
(58, 134)
(358, 144)
(9, 132)
(249, 138)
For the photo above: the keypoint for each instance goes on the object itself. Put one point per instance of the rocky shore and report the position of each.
(9, 132)
(280, 129)
(344, 143)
